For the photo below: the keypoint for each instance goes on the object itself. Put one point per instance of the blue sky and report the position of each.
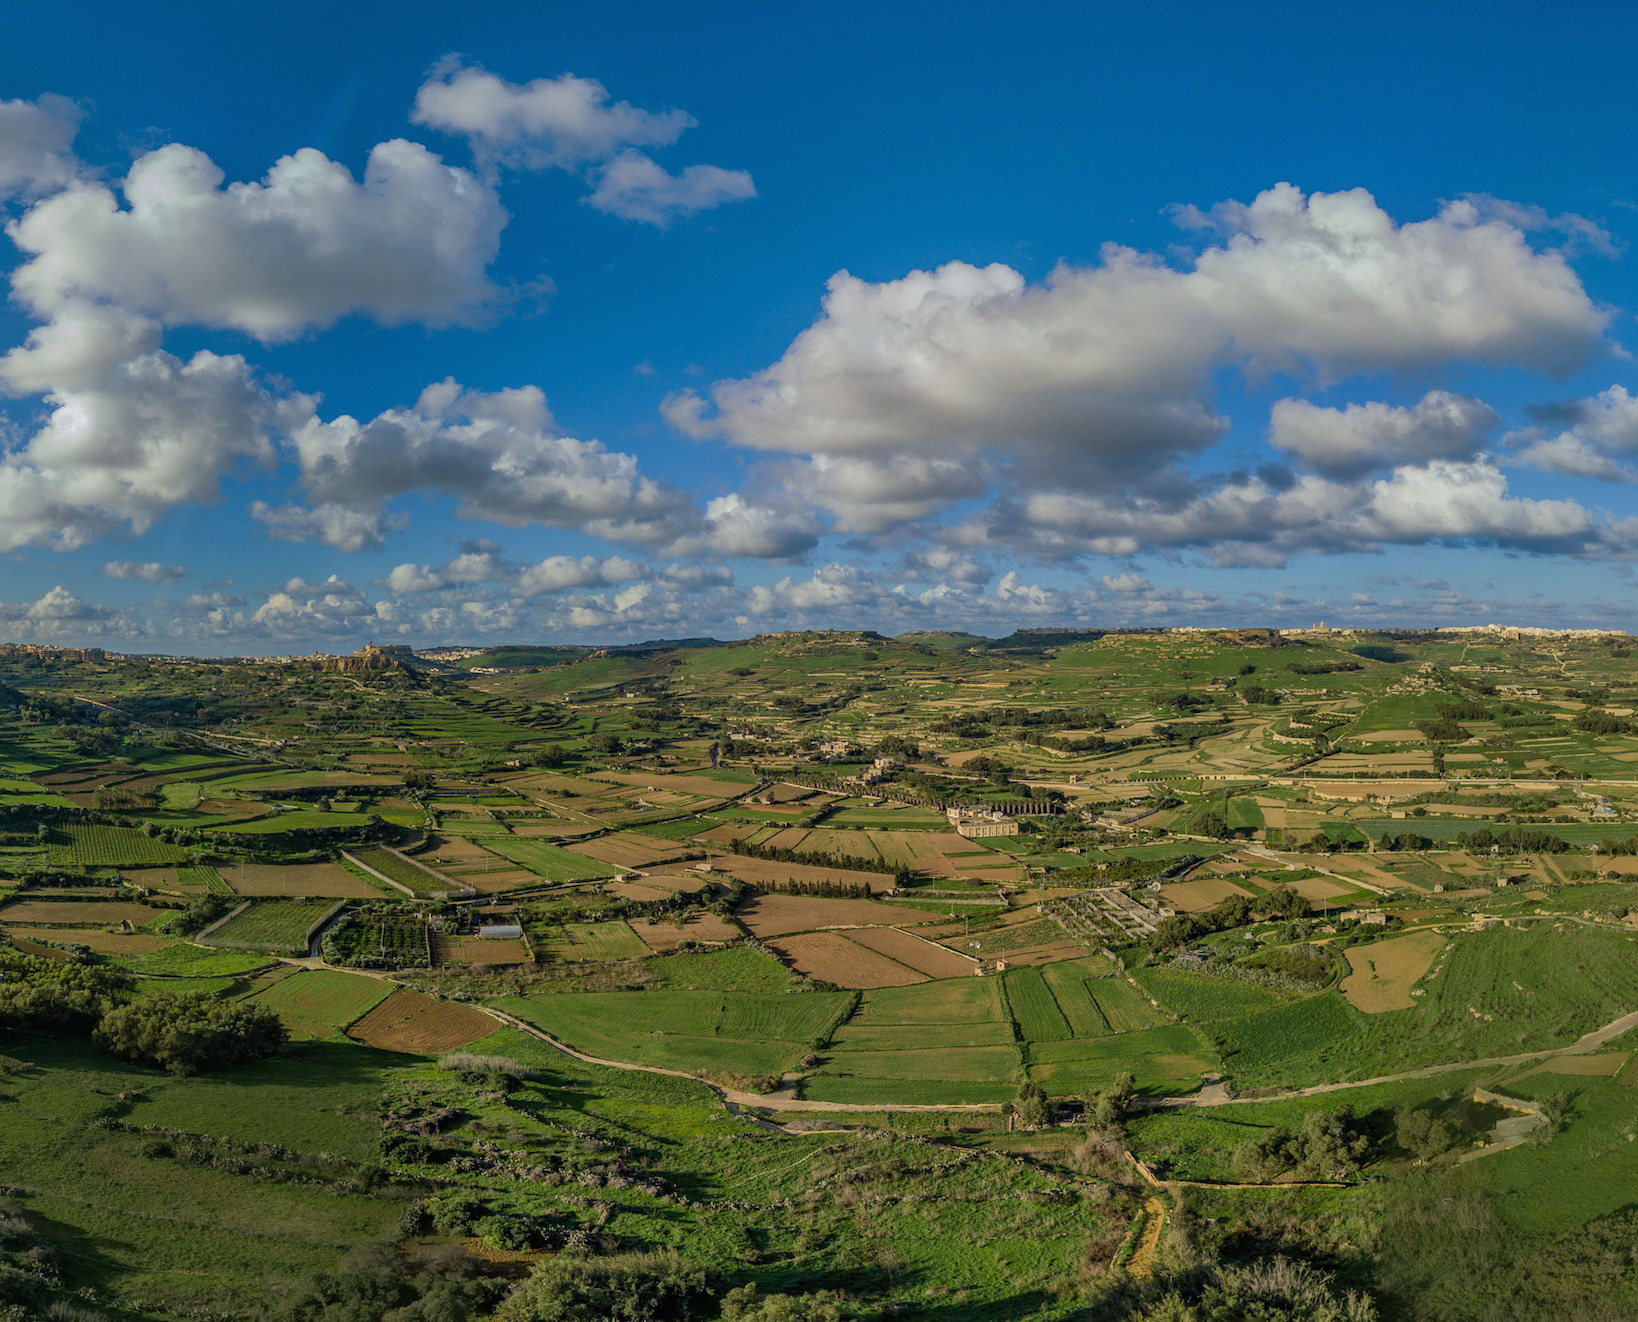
(463, 324)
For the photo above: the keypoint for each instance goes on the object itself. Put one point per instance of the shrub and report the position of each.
(628, 1287)
(747, 1304)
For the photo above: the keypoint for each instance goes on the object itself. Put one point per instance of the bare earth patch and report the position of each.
(1194, 896)
(104, 943)
(773, 915)
(91, 913)
(481, 950)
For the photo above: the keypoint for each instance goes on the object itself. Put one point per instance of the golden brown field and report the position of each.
(104, 943)
(1194, 896)
(92, 913)
(660, 937)
(1385, 971)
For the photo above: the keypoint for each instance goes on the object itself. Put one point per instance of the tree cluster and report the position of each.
(187, 1033)
(1329, 1146)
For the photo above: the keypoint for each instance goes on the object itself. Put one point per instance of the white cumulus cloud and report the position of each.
(37, 145)
(1353, 441)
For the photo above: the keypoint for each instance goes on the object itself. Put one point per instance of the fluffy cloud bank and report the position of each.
(1100, 379)
(303, 247)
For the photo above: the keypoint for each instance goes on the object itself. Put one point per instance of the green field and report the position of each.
(396, 869)
(591, 941)
(115, 847)
(545, 859)
(277, 926)
(731, 1032)
(1498, 992)
(934, 1201)
(1164, 1060)
(1200, 998)
(1123, 1007)
(1033, 1008)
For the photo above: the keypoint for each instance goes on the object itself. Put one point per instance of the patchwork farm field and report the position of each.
(1384, 972)
(1222, 876)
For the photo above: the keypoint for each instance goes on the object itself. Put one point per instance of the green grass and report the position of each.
(738, 968)
(1122, 1006)
(856, 1090)
(1492, 993)
(949, 1000)
(189, 961)
(389, 865)
(276, 925)
(207, 877)
(1588, 1170)
(857, 1036)
(1068, 981)
(150, 1228)
(1033, 1008)
(299, 819)
(319, 1003)
(1294, 1042)
(1163, 1060)
(961, 1065)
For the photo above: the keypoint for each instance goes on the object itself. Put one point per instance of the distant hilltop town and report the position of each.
(40, 652)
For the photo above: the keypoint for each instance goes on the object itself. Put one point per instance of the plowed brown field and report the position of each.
(923, 956)
(93, 913)
(104, 943)
(668, 936)
(831, 956)
(773, 915)
(410, 1022)
(319, 880)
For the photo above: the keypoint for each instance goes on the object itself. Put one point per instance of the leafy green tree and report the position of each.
(1030, 1106)
(1422, 1134)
